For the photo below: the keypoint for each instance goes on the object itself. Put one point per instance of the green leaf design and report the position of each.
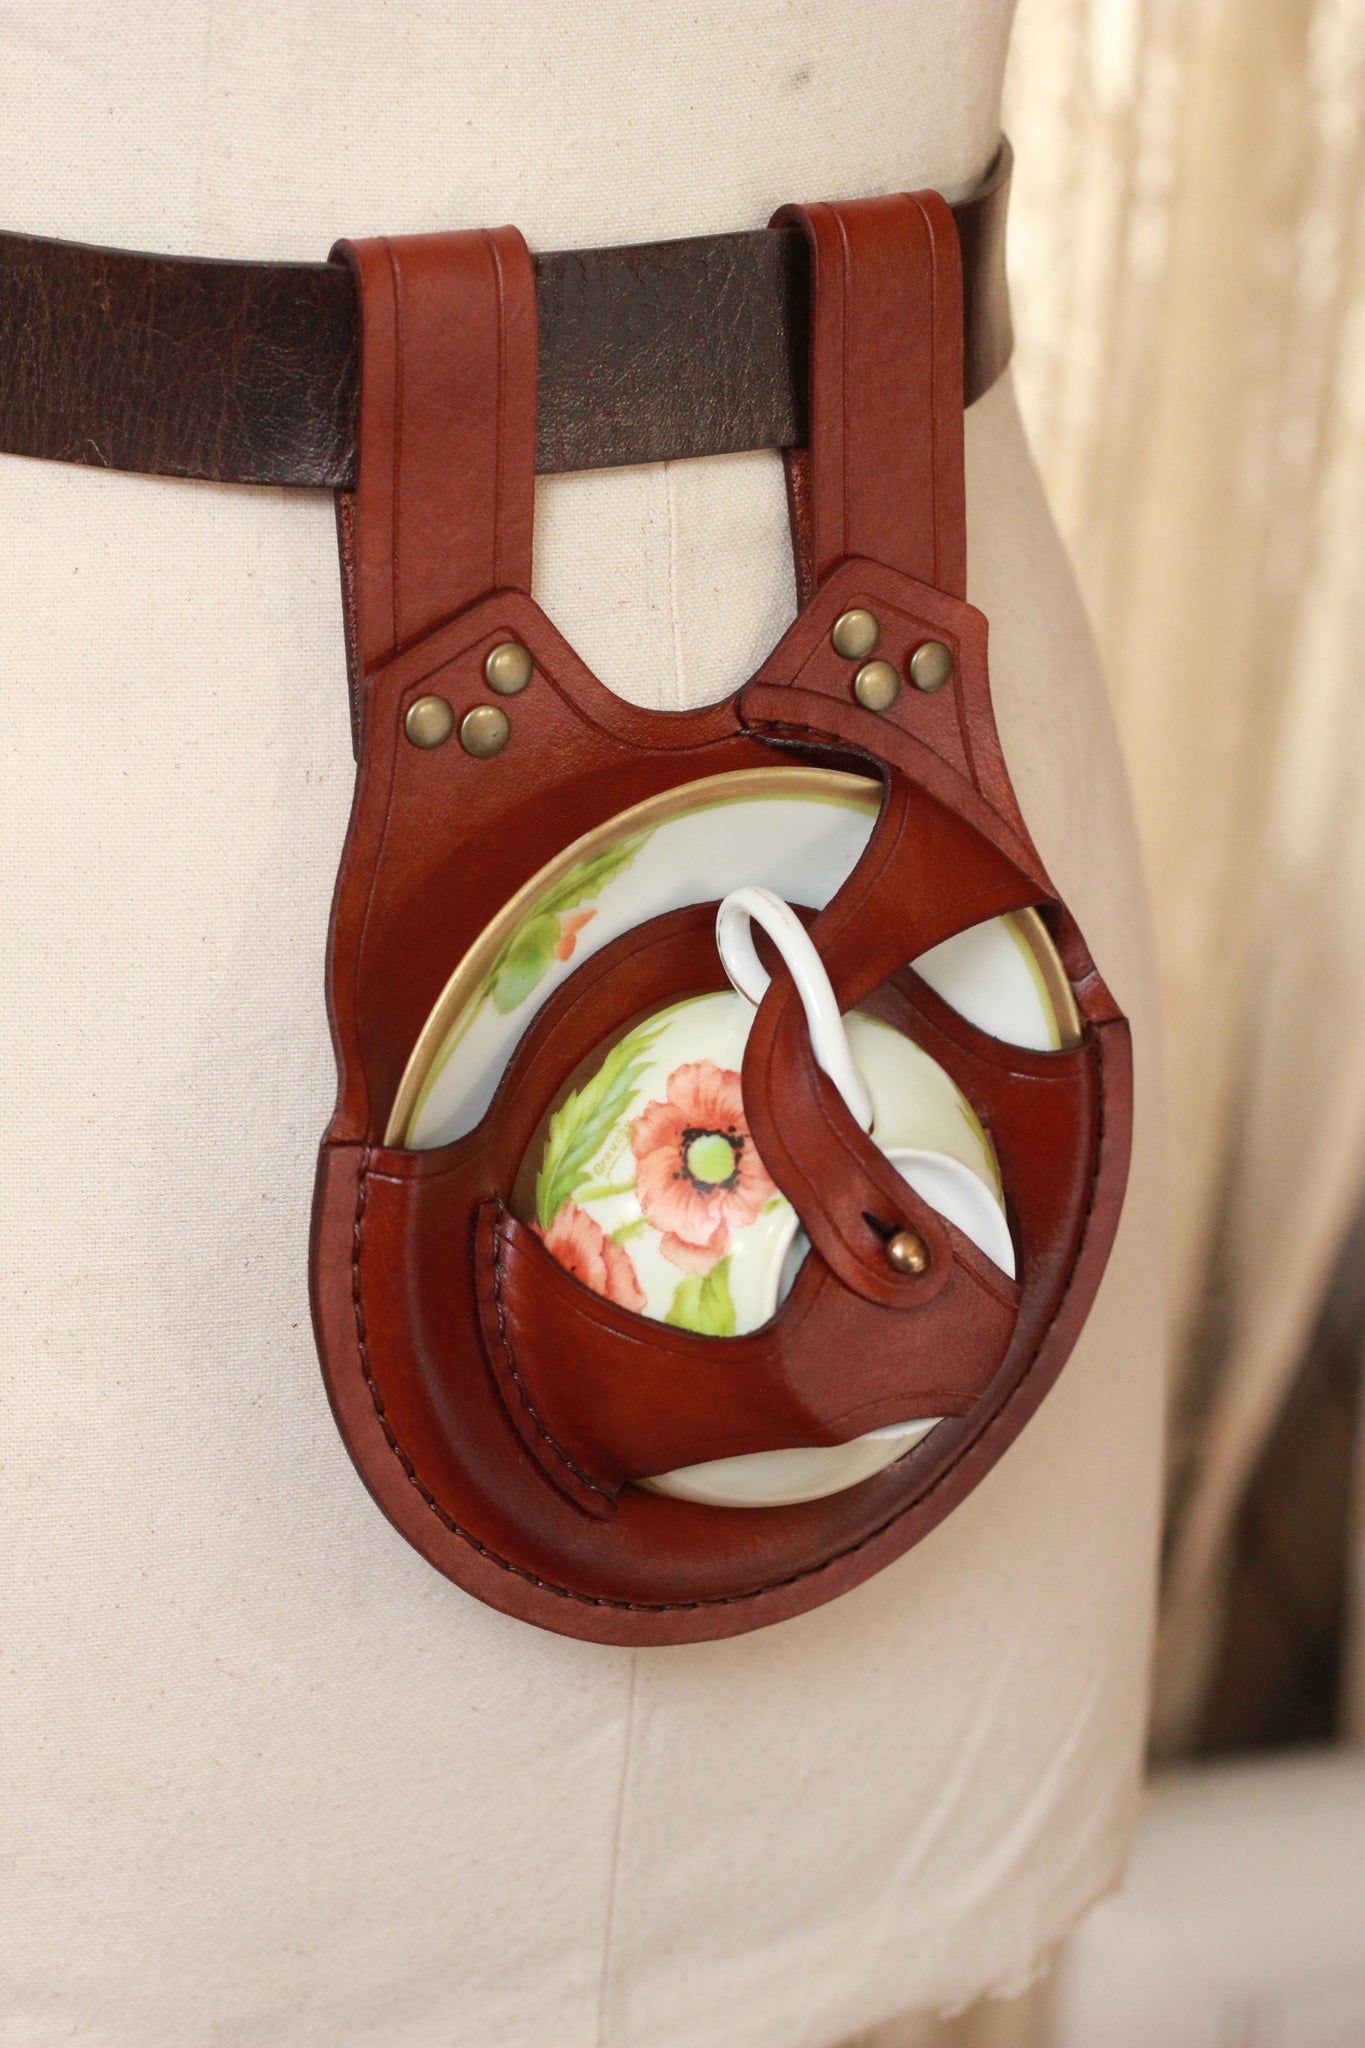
(526, 957)
(524, 961)
(580, 1126)
(702, 1302)
(604, 1190)
(588, 877)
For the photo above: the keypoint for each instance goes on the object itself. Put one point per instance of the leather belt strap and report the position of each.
(248, 372)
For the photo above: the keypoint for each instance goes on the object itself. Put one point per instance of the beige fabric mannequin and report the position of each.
(271, 1780)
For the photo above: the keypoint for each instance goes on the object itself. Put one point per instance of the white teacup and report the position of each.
(651, 1191)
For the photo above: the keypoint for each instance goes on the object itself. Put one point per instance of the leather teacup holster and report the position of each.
(500, 1410)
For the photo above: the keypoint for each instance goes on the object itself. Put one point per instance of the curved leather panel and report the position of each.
(600, 1395)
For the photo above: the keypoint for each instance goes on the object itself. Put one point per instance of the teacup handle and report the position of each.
(739, 911)
(944, 1183)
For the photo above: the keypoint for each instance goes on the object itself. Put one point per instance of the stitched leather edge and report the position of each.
(544, 1585)
(523, 1391)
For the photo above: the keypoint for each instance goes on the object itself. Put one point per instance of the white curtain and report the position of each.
(1188, 253)
(1187, 242)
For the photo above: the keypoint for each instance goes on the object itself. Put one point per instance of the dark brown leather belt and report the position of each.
(248, 372)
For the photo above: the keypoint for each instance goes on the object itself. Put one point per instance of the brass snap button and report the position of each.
(855, 633)
(907, 1252)
(430, 722)
(485, 731)
(508, 668)
(876, 686)
(931, 665)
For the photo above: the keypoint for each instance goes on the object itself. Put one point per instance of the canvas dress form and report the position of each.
(271, 1779)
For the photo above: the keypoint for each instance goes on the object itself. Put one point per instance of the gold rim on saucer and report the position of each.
(436, 1043)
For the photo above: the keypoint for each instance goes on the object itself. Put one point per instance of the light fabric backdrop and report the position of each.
(269, 1780)
(1188, 235)
(1188, 250)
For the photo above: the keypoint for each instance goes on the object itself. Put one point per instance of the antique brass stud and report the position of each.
(508, 668)
(876, 686)
(855, 634)
(485, 731)
(931, 665)
(430, 722)
(907, 1252)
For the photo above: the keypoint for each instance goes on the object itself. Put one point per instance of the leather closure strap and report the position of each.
(445, 493)
(848, 1195)
(249, 372)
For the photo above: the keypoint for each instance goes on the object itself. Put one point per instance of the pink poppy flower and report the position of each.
(698, 1175)
(583, 1248)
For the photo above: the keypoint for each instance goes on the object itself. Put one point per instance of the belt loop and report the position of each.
(882, 475)
(444, 501)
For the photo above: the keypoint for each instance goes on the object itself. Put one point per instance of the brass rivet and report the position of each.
(907, 1252)
(430, 722)
(931, 665)
(855, 634)
(508, 668)
(876, 686)
(485, 731)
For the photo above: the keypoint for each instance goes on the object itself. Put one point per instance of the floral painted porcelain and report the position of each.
(650, 1190)
(796, 830)
(648, 1187)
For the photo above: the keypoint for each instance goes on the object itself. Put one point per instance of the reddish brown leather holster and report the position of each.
(495, 1407)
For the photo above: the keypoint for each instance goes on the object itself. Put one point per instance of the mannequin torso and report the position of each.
(315, 1793)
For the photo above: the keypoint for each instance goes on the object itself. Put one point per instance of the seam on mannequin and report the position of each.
(670, 500)
(614, 1867)
(544, 1585)
(523, 1390)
